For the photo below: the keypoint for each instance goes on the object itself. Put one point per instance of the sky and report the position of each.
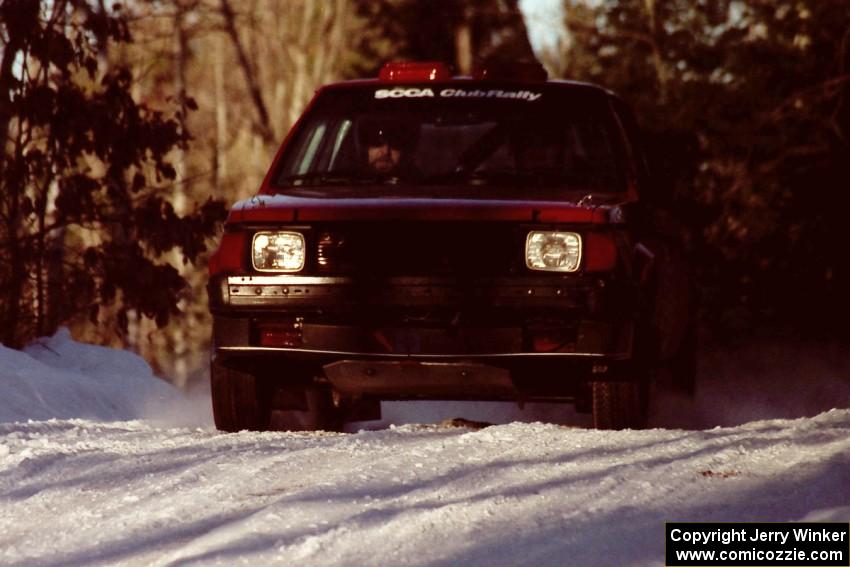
(544, 21)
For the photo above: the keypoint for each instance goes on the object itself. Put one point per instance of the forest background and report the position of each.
(128, 129)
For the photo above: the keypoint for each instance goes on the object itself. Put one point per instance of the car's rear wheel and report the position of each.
(619, 405)
(240, 400)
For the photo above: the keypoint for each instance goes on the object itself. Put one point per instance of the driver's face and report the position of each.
(383, 158)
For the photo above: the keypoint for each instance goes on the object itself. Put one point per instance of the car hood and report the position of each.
(584, 208)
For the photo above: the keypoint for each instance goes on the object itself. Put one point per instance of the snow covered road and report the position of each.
(84, 493)
(138, 492)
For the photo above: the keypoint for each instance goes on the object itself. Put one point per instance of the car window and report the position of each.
(514, 145)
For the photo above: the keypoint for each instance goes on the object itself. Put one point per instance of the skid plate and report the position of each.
(388, 378)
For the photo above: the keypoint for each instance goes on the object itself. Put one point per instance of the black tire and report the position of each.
(619, 405)
(240, 400)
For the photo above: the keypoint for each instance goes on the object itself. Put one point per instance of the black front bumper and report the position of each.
(417, 337)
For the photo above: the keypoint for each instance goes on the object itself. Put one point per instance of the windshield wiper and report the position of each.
(491, 177)
(462, 176)
(325, 178)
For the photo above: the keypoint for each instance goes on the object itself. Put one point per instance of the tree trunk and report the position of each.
(656, 34)
(178, 335)
(13, 289)
(463, 43)
(181, 63)
(262, 124)
(220, 145)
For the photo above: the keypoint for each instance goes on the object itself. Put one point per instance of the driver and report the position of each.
(383, 156)
(388, 144)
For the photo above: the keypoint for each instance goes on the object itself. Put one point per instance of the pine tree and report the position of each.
(747, 105)
(85, 216)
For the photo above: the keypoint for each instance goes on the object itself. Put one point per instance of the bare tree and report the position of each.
(262, 123)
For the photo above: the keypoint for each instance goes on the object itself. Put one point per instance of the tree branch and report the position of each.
(824, 86)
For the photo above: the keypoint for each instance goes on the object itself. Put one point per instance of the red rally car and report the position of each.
(424, 236)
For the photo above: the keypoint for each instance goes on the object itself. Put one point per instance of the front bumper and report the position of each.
(412, 316)
(492, 338)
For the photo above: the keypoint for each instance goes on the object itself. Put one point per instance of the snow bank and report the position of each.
(57, 377)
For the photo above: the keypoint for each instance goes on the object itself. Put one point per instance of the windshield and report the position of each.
(532, 143)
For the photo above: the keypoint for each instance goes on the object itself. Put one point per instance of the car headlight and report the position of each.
(553, 251)
(278, 251)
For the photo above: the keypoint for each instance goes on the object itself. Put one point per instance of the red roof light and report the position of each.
(414, 71)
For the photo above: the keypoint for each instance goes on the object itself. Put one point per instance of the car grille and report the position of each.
(413, 249)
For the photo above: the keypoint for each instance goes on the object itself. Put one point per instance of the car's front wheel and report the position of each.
(256, 401)
(240, 400)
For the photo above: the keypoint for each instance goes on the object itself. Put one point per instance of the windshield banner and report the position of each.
(413, 92)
